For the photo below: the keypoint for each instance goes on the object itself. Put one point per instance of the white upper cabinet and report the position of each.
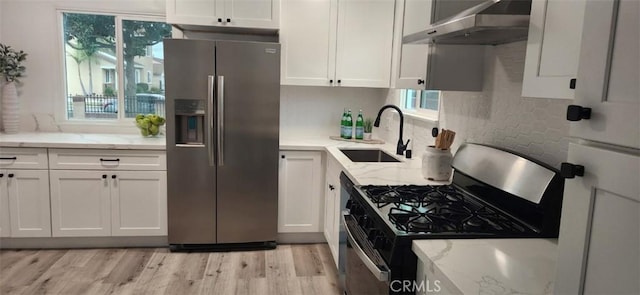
(609, 74)
(337, 42)
(263, 14)
(412, 63)
(553, 48)
(308, 38)
(365, 42)
(252, 13)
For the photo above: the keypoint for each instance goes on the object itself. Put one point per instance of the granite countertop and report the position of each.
(81, 140)
(408, 171)
(490, 266)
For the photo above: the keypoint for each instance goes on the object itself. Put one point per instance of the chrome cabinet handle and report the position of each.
(381, 275)
(211, 81)
(220, 121)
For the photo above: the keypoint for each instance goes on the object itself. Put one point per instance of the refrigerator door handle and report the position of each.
(220, 126)
(210, 143)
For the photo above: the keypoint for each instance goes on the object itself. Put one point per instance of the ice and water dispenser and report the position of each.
(190, 117)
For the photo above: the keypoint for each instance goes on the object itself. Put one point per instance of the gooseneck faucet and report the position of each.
(401, 145)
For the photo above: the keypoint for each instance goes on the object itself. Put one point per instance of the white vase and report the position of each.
(10, 108)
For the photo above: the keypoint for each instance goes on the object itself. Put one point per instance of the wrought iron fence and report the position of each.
(106, 107)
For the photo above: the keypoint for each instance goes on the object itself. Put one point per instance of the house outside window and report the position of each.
(105, 56)
(424, 104)
(149, 78)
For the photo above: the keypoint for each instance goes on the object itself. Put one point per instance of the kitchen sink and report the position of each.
(368, 155)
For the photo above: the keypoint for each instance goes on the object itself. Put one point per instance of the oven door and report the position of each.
(365, 270)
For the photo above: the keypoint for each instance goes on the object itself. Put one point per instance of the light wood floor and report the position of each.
(289, 269)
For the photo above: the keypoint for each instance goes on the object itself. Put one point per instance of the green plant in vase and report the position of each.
(368, 127)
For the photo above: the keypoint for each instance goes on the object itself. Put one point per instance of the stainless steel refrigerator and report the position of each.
(223, 107)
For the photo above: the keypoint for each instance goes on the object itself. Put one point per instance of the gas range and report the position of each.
(424, 211)
(494, 194)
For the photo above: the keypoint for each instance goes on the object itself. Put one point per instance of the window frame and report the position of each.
(417, 112)
(99, 125)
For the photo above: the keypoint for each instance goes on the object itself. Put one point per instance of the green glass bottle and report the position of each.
(343, 123)
(359, 126)
(349, 126)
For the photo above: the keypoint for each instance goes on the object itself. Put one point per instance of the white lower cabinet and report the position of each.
(80, 204)
(332, 207)
(300, 192)
(108, 203)
(139, 203)
(24, 203)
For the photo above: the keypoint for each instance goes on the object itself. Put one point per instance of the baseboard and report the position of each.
(301, 238)
(83, 242)
(129, 242)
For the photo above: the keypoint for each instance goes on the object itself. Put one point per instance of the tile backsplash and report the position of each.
(498, 115)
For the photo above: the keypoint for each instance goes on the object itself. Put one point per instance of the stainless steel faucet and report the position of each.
(401, 145)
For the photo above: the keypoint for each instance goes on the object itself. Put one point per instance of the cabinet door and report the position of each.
(333, 212)
(608, 77)
(29, 203)
(5, 220)
(308, 38)
(139, 203)
(263, 14)
(195, 12)
(553, 48)
(599, 242)
(365, 41)
(80, 203)
(412, 64)
(300, 192)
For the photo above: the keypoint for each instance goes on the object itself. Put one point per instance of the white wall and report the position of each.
(310, 111)
(498, 115)
(32, 26)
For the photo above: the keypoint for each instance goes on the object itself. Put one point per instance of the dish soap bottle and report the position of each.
(359, 126)
(349, 126)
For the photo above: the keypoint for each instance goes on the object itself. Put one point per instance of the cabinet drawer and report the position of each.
(23, 158)
(90, 159)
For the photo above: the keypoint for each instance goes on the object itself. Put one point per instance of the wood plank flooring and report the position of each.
(289, 269)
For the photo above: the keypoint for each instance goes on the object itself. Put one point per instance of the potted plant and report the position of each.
(368, 127)
(11, 69)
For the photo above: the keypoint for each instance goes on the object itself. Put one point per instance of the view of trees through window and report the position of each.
(94, 65)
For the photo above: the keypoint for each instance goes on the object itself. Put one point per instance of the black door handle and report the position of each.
(228, 20)
(104, 176)
(1, 175)
(282, 156)
(8, 158)
(568, 170)
(339, 81)
(219, 20)
(420, 81)
(331, 187)
(109, 160)
(577, 113)
(10, 175)
(331, 81)
(113, 176)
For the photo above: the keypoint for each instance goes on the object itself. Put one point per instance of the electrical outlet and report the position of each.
(388, 125)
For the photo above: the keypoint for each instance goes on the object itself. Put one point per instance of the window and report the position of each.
(120, 48)
(137, 76)
(420, 103)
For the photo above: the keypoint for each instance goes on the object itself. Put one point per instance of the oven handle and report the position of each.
(382, 276)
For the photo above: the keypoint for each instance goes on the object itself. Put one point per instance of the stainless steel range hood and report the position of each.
(488, 23)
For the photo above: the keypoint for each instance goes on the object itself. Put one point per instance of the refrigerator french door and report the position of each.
(222, 142)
